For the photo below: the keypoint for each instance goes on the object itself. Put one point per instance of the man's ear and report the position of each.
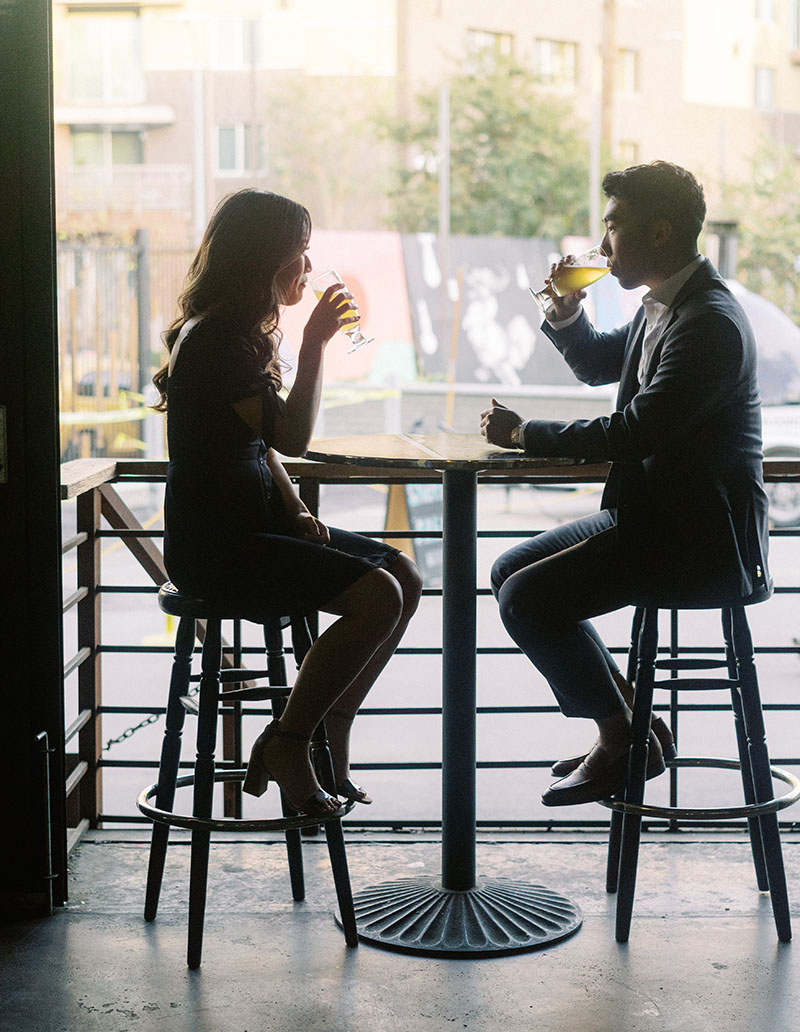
(661, 231)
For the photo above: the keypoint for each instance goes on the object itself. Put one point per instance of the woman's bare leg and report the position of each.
(369, 611)
(346, 706)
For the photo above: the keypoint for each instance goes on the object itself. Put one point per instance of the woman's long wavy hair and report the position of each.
(251, 237)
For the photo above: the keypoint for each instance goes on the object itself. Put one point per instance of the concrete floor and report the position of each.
(702, 955)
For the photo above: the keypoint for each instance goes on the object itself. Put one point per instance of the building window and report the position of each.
(555, 62)
(235, 149)
(764, 82)
(628, 153)
(765, 10)
(104, 148)
(482, 44)
(628, 71)
(235, 43)
(105, 57)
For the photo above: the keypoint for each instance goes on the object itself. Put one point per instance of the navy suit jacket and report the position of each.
(686, 478)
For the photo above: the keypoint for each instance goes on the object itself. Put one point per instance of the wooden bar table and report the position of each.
(459, 914)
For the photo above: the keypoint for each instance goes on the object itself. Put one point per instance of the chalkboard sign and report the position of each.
(425, 513)
(418, 507)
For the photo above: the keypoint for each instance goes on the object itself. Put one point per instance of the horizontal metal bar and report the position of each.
(129, 532)
(128, 589)
(401, 824)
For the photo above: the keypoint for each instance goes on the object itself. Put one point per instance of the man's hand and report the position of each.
(497, 424)
(562, 307)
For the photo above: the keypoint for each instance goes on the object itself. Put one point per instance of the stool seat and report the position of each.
(762, 592)
(757, 773)
(178, 603)
(203, 617)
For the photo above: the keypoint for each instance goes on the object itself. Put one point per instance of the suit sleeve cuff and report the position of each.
(562, 324)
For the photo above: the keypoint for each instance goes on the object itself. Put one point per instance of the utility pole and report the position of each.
(609, 73)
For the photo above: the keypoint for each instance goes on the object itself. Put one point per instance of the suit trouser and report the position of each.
(548, 589)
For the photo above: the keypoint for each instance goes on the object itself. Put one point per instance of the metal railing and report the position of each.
(101, 513)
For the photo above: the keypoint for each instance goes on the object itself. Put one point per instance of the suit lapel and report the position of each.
(629, 381)
(699, 280)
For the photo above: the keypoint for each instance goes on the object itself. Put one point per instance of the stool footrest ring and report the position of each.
(713, 813)
(180, 820)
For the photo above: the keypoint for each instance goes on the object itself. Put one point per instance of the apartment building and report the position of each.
(163, 106)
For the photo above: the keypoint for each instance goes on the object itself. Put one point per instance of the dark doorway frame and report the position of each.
(33, 864)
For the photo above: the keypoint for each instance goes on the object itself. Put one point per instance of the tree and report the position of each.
(323, 149)
(518, 164)
(769, 229)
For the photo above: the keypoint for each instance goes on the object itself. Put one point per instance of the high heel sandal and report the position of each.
(659, 728)
(259, 775)
(352, 792)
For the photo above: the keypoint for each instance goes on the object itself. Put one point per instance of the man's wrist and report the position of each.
(517, 438)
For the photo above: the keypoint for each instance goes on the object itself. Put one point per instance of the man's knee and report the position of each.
(498, 575)
(519, 608)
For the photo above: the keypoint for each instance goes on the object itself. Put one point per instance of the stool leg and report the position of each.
(637, 771)
(323, 765)
(754, 828)
(615, 830)
(170, 760)
(753, 720)
(276, 671)
(204, 787)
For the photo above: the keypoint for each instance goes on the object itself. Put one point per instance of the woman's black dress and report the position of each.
(227, 536)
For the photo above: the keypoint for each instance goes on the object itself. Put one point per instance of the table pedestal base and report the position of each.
(496, 917)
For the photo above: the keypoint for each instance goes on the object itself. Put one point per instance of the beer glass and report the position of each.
(575, 274)
(347, 309)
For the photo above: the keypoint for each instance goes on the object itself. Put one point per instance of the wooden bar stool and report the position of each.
(201, 822)
(760, 807)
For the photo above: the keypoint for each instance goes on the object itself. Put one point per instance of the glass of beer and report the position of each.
(348, 309)
(575, 274)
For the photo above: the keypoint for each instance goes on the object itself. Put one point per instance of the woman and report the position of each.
(235, 528)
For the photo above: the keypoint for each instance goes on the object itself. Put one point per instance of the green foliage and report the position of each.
(323, 149)
(769, 229)
(518, 165)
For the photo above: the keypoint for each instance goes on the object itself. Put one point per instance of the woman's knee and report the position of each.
(376, 598)
(407, 575)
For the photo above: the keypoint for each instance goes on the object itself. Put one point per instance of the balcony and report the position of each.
(126, 188)
(703, 951)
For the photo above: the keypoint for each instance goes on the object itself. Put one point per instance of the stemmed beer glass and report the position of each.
(348, 307)
(575, 274)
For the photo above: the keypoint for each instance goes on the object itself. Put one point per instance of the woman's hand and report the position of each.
(333, 312)
(309, 528)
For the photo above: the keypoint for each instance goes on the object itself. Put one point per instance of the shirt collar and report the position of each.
(666, 292)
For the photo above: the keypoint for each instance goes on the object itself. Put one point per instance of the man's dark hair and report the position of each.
(661, 190)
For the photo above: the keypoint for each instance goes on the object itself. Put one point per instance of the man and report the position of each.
(684, 514)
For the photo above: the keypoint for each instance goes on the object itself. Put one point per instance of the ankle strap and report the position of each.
(278, 730)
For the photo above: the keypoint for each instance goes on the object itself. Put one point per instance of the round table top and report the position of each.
(440, 451)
